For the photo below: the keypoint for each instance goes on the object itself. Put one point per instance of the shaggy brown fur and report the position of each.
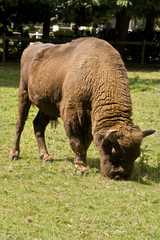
(84, 82)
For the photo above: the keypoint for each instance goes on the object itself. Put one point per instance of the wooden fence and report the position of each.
(117, 44)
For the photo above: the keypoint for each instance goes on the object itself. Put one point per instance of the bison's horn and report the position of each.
(110, 136)
(147, 133)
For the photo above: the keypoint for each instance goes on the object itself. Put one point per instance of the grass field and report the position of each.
(49, 201)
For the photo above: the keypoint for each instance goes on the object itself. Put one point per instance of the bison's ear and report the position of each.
(98, 139)
(147, 133)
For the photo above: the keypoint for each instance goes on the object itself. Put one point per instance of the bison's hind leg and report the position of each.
(40, 123)
(23, 109)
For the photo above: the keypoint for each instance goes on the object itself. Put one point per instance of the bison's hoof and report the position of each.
(80, 169)
(12, 158)
(48, 159)
(14, 155)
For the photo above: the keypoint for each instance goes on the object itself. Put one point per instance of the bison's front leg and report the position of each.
(80, 154)
(80, 140)
(40, 123)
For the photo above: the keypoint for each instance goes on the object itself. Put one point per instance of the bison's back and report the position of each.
(79, 73)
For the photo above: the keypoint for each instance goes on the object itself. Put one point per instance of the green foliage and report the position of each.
(78, 11)
(24, 11)
(88, 12)
(123, 3)
(49, 201)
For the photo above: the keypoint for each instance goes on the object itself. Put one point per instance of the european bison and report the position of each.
(85, 83)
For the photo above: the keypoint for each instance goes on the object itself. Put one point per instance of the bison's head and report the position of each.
(118, 151)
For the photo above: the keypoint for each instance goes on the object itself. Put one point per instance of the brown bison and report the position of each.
(85, 83)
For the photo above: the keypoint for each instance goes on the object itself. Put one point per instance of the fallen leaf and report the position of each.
(69, 225)
(9, 169)
(29, 219)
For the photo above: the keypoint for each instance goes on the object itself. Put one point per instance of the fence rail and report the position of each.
(117, 44)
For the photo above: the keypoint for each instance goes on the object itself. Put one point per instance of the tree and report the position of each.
(150, 10)
(78, 11)
(120, 9)
(36, 11)
(7, 13)
(22, 12)
(124, 10)
(81, 12)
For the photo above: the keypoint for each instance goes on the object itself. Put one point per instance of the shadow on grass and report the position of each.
(91, 162)
(143, 85)
(134, 67)
(9, 75)
(143, 173)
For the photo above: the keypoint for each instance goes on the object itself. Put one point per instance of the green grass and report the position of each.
(49, 201)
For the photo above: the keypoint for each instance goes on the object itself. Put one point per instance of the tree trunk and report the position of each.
(149, 28)
(121, 29)
(122, 25)
(46, 27)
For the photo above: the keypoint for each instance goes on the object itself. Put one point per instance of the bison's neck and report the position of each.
(111, 99)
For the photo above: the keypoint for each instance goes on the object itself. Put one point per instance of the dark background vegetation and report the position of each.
(21, 15)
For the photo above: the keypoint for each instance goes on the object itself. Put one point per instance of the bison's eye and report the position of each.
(113, 151)
(115, 154)
(116, 157)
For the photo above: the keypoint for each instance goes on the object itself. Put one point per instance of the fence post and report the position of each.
(143, 51)
(4, 48)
